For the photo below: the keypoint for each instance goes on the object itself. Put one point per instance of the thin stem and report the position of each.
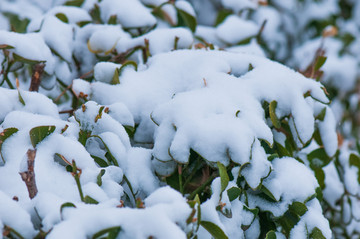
(180, 179)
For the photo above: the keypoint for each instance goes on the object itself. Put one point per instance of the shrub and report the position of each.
(142, 122)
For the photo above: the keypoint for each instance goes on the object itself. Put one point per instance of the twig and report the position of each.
(29, 176)
(62, 93)
(38, 70)
(67, 111)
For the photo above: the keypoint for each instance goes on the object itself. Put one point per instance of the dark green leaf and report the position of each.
(95, 14)
(318, 158)
(319, 62)
(25, 60)
(222, 15)
(282, 151)
(130, 130)
(288, 221)
(39, 133)
(188, 19)
(255, 212)
(354, 160)
(273, 116)
(233, 193)
(4, 135)
(317, 234)
(223, 176)
(270, 235)
(90, 200)
(62, 17)
(320, 176)
(98, 179)
(319, 193)
(17, 24)
(111, 233)
(298, 208)
(69, 168)
(83, 23)
(102, 163)
(75, 3)
(67, 204)
(321, 115)
(213, 229)
(112, 20)
(268, 194)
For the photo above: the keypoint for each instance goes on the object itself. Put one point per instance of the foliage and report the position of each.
(180, 122)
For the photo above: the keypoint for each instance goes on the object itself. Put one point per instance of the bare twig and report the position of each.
(38, 70)
(29, 176)
(62, 93)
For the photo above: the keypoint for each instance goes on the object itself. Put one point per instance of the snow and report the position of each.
(184, 96)
(237, 6)
(130, 14)
(186, 7)
(234, 29)
(159, 219)
(160, 40)
(30, 46)
(14, 216)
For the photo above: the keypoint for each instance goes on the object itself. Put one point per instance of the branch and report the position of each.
(38, 70)
(29, 176)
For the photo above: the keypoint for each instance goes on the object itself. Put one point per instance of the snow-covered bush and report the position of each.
(153, 119)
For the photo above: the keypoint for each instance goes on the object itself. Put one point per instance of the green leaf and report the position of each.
(223, 176)
(90, 200)
(102, 163)
(268, 195)
(317, 234)
(273, 116)
(130, 130)
(67, 204)
(112, 20)
(320, 176)
(115, 80)
(17, 24)
(197, 200)
(233, 193)
(98, 178)
(270, 235)
(288, 221)
(111, 233)
(26, 60)
(321, 115)
(255, 212)
(354, 160)
(298, 208)
(5, 47)
(222, 15)
(213, 229)
(62, 17)
(188, 19)
(282, 151)
(319, 193)
(75, 3)
(6, 134)
(20, 98)
(319, 62)
(95, 14)
(39, 133)
(318, 158)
